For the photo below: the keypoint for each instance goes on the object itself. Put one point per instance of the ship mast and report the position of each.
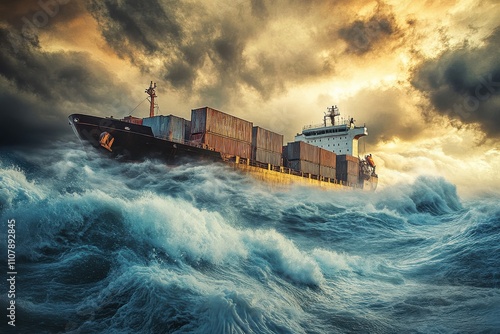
(152, 93)
(333, 112)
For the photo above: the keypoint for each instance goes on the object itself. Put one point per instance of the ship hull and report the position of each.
(370, 184)
(132, 141)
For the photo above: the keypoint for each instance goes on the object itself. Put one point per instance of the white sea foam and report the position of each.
(130, 247)
(16, 188)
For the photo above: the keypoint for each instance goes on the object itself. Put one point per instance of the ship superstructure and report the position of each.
(339, 136)
(324, 155)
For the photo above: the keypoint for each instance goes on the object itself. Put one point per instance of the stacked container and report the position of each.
(348, 168)
(327, 164)
(170, 127)
(221, 132)
(311, 159)
(302, 156)
(266, 146)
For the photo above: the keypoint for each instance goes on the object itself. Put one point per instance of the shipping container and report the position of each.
(347, 168)
(303, 166)
(326, 171)
(300, 150)
(208, 120)
(348, 164)
(223, 144)
(170, 127)
(133, 120)
(347, 157)
(327, 158)
(267, 140)
(351, 179)
(267, 157)
(187, 130)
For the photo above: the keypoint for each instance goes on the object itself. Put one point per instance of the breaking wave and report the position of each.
(106, 246)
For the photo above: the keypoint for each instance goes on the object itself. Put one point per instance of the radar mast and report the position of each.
(332, 112)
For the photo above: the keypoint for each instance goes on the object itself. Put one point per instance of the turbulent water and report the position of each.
(115, 247)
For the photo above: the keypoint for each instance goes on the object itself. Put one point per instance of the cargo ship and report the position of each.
(324, 155)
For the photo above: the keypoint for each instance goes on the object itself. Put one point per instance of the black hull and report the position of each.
(133, 141)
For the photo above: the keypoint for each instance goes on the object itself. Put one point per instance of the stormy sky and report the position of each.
(424, 76)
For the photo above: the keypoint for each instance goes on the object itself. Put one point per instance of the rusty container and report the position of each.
(187, 130)
(326, 171)
(170, 127)
(267, 157)
(209, 120)
(224, 145)
(300, 150)
(267, 140)
(327, 158)
(284, 154)
(303, 166)
(348, 168)
(347, 157)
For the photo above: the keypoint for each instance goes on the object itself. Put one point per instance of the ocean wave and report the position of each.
(107, 246)
(427, 195)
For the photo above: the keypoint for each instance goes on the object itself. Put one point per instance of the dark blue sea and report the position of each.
(104, 246)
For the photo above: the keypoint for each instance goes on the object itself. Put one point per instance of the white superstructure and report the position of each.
(338, 138)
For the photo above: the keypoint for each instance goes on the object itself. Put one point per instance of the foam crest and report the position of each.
(183, 230)
(427, 194)
(333, 262)
(15, 188)
(435, 195)
(200, 235)
(285, 255)
(345, 265)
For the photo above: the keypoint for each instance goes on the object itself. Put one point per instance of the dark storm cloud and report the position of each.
(464, 84)
(209, 42)
(16, 13)
(259, 8)
(40, 89)
(135, 29)
(182, 37)
(363, 36)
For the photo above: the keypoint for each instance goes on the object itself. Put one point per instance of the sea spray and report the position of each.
(107, 246)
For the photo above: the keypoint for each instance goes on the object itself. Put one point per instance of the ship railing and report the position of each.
(322, 125)
(286, 170)
(312, 126)
(281, 169)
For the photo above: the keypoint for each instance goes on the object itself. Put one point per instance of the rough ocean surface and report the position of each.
(115, 247)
